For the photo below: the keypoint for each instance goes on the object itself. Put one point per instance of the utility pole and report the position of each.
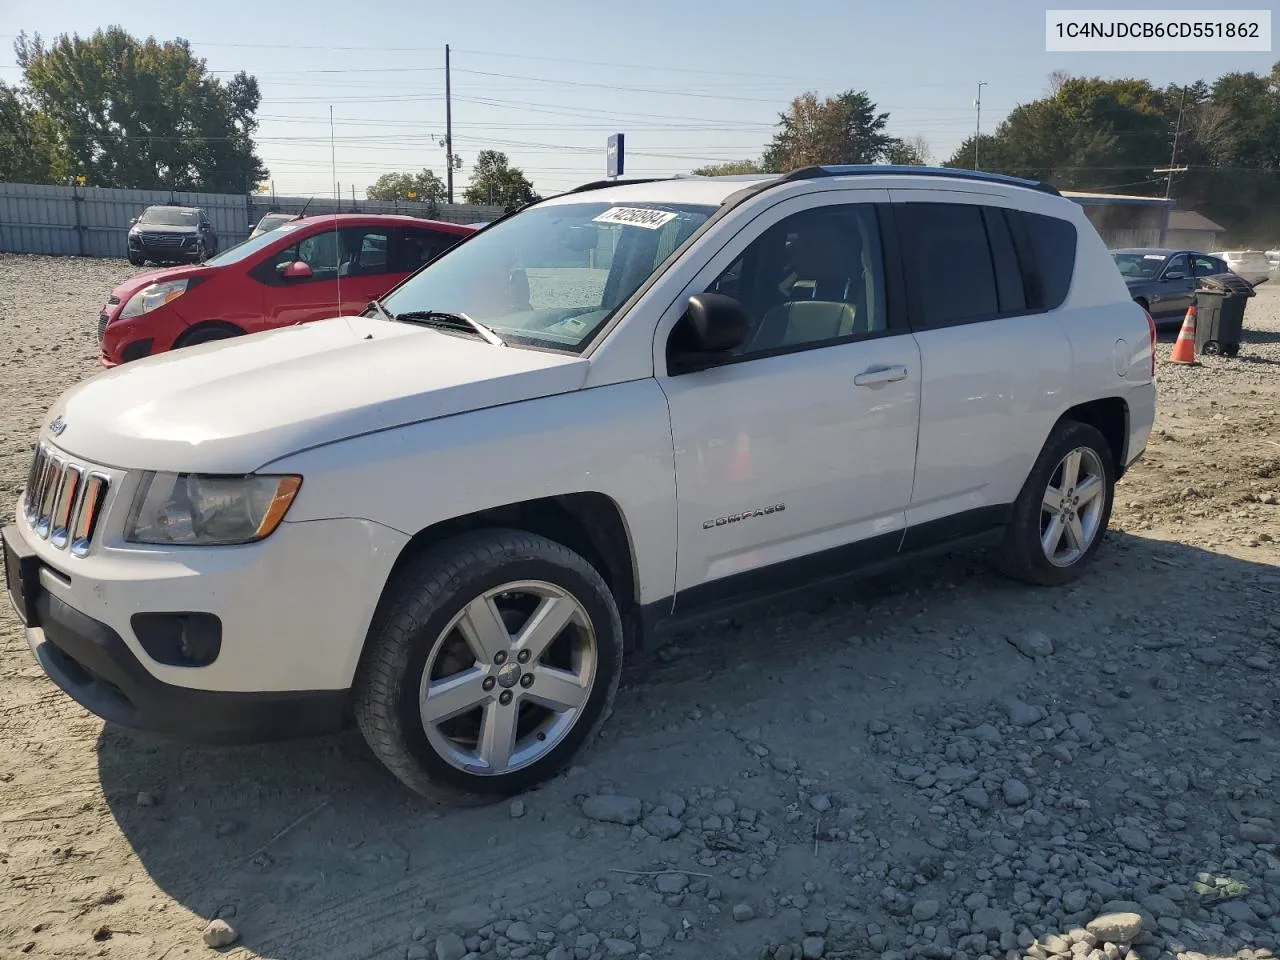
(977, 128)
(1173, 155)
(448, 123)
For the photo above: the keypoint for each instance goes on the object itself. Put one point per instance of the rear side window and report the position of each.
(949, 264)
(1052, 249)
(1009, 286)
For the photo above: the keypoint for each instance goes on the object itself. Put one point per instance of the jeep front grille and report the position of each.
(63, 500)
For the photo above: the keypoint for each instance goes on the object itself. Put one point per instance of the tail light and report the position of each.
(1151, 329)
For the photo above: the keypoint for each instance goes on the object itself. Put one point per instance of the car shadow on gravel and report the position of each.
(306, 845)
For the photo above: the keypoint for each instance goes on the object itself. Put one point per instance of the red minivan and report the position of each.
(307, 269)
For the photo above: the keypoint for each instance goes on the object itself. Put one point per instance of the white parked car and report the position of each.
(453, 515)
(1253, 265)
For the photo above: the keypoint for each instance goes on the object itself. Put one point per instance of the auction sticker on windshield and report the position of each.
(636, 217)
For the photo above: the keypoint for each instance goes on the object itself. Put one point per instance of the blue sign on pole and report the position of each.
(615, 155)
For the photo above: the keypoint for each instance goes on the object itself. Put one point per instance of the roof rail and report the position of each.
(602, 184)
(955, 173)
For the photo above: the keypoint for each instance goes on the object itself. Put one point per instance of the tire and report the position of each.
(416, 641)
(207, 333)
(1022, 555)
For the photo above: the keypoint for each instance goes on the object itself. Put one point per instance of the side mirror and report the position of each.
(719, 323)
(133, 221)
(713, 325)
(298, 270)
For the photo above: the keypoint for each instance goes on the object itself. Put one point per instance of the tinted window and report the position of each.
(949, 263)
(1005, 257)
(1053, 248)
(1181, 264)
(417, 247)
(815, 277)
(1209, 266)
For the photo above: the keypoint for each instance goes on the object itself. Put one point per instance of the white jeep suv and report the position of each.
(450, 516)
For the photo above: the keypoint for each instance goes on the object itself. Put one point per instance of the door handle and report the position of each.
(875, 375)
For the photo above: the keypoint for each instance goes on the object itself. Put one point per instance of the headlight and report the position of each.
(199, 510)
(155, 295)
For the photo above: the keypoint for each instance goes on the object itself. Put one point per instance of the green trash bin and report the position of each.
(1220, 303)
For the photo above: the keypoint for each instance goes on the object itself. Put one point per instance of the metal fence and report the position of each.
(94, 221)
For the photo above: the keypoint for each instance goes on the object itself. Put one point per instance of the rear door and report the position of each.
(994, 363)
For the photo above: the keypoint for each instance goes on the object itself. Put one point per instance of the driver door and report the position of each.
(1175, 289)
(795, 457)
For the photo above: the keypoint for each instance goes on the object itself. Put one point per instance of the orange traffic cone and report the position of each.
(1184, 351)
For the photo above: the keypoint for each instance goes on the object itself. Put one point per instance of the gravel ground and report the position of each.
(934, 764)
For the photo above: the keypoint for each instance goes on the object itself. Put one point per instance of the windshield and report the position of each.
(247, 248)
(1139, 266)
(552, 275)
(169, 217)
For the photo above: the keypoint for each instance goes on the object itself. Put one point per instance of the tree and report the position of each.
(842, 129)
(495, 181)
(426, 187)
(137, 113)
(25, 154)
(913, 151)
(730, 169)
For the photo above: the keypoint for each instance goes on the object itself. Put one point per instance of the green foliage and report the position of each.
(730, 169)
(426, 187)
(123, 112)
(846, 128)
(1111, 135)
(495, 181)
(912, 152)
(25, 144)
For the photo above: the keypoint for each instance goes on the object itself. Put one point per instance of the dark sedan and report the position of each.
(1164, 281)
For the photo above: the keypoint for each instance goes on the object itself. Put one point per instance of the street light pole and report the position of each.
(977, 128)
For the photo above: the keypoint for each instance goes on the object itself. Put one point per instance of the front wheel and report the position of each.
(493, 659)
(1061, 515)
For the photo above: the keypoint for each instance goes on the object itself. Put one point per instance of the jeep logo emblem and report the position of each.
(57, 426)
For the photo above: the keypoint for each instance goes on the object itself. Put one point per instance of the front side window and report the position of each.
(1178, 268)
(553, 275)
(347, 252)
(813, 278)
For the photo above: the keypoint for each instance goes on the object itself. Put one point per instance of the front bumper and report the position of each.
(294, 611)
(188, 251)
(92, 665)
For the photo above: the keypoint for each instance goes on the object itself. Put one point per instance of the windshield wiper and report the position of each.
(444, 318)
(377, 305)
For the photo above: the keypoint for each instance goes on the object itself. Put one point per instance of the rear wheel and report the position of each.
(1061, 515)
(493, 659)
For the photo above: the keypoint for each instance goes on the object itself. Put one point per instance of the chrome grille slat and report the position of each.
(63, 500)
(64, 506)
(49, 493)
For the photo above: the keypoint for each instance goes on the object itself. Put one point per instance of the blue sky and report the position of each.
(689, 83)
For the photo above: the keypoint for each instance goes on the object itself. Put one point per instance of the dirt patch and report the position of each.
(933, 764)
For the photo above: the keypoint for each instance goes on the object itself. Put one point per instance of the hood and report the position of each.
(183, 228)
(129, 287)
(231, 406)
